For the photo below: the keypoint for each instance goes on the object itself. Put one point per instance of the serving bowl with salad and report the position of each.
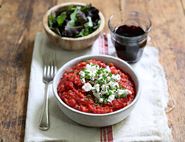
(96, 90)
(73, 26)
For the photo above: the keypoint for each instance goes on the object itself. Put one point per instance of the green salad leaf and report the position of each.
(61, 18)
(89, 23)
(51, 20)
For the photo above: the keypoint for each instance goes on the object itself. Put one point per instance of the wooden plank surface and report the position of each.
(19, 22)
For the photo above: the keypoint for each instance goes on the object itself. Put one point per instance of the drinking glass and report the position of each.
(129, 34)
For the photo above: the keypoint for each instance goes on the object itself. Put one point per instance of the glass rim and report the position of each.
(135, 37)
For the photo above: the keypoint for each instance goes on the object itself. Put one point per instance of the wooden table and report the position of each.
(19, 22)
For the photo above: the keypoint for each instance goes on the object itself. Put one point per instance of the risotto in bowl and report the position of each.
(97, 90)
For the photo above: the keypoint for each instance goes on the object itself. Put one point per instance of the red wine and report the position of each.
(129, 31)
(130, 42)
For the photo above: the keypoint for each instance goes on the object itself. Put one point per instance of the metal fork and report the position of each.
(49, 70)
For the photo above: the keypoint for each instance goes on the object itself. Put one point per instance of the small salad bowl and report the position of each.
(71, 43)
(92, 119)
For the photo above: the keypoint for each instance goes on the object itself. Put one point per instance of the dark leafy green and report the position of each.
(61, 18)
(75, 21)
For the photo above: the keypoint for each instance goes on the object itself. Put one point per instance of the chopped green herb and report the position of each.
(123, 95)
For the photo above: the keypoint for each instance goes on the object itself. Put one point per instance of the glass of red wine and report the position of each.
(129, 35)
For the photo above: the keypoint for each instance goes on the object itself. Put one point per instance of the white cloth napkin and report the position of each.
(147, 122)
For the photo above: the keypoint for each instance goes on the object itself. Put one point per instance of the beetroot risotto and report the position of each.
(95, 87)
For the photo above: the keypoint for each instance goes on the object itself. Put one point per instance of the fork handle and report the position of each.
(44, 123)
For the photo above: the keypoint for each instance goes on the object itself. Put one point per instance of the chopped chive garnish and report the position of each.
(103, 84)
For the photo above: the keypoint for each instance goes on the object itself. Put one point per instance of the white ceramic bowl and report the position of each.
(90, 119)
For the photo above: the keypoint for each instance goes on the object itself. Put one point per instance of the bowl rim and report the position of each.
(58, 6)
(88, 57)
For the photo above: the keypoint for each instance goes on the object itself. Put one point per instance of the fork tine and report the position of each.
(45, 73)
(51, 70)
(55, 64)
(48, 69)
(45, 70)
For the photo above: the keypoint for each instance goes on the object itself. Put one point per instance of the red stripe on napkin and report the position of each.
(101, 135)
(105, 45)
(106, 134)
(109, 133)
(100, 39)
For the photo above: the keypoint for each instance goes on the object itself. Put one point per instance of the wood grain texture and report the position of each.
(19, 22)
